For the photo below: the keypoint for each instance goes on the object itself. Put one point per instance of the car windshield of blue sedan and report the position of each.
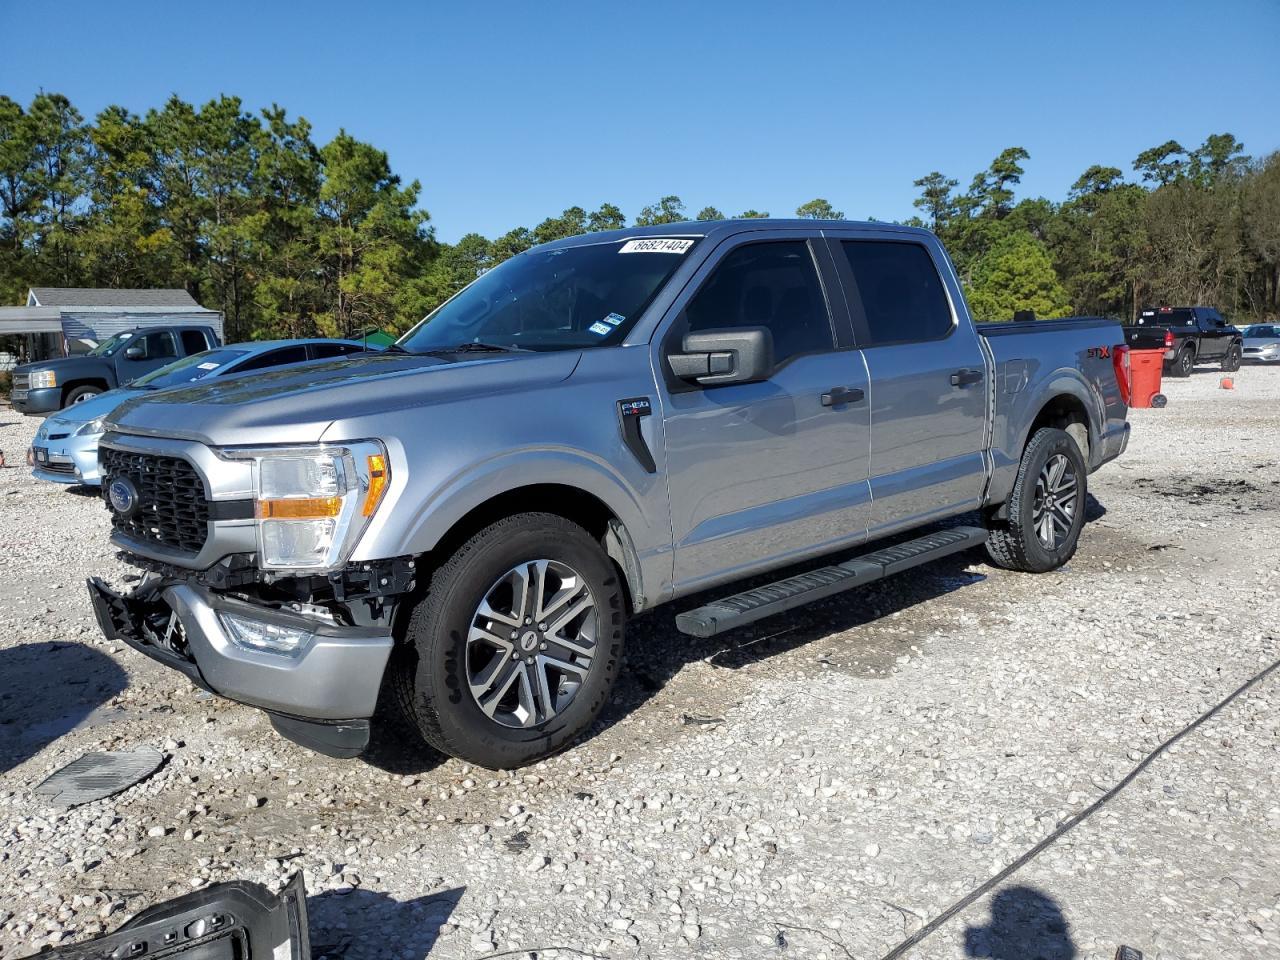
(194, 367)
(565, 298)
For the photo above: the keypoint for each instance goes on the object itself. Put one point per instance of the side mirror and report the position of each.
(718, 357)
(135, 353)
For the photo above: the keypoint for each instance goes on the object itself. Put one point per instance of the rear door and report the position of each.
(928, 380)
(763, 473)
(1215, 334)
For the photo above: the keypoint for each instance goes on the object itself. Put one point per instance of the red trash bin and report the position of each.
(1146, 369)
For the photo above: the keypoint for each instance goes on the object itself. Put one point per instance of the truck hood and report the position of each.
(67, 367)
(296, 404)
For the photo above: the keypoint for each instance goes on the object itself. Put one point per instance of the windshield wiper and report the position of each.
(474, 346)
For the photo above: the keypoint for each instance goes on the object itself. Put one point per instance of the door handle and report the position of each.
(965, 377)
(838, 395)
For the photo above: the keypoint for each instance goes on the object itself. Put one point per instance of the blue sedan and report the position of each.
(65, 449)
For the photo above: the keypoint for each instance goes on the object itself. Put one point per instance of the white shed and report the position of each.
(57, 321)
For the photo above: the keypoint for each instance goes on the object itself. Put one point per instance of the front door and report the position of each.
(762, 473)
(149, 352)
(928, 383)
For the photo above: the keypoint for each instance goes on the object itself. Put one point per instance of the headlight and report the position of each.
(313, 503)
(42, 379)
(93, 426)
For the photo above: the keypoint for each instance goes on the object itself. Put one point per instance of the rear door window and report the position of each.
(899, 296)
(275, 358)
(329, 350)
(193, 341)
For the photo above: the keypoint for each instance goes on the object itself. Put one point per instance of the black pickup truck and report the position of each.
(1189, 335)
(46, 386)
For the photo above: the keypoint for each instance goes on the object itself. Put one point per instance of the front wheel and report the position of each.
(513, 651)
(1045, 509)
(81, 394)
(1231, 362)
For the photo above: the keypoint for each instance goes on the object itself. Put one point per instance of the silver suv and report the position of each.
(595, 428)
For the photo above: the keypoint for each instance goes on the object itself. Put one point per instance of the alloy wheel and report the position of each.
(531, 643)
(1054, 507)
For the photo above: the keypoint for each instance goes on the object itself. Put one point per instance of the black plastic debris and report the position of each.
(98, 775)
(226, 921)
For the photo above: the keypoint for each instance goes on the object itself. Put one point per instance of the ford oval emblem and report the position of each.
(123, 496)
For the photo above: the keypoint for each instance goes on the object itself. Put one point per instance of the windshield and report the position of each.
(1263, 330)
(563, 299)
(109, 346)
(190, 368)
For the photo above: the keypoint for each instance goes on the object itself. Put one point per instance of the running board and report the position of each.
(752, 605)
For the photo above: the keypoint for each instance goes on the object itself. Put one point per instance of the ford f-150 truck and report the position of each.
(594, 428)
(48, 385)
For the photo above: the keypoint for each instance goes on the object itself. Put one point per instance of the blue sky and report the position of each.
(510, 112)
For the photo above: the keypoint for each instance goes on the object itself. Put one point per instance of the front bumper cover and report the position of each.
(226, 920)
(321, 696)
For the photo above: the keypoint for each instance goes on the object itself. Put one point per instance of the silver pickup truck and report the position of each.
(595, 428)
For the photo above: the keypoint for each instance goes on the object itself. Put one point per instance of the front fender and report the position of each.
(418, 525)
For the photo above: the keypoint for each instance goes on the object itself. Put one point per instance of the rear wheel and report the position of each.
(1183, 363)
(513, 651)
(1045, 509)
(1231, 362)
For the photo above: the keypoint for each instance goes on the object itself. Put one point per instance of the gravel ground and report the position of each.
(820, 786)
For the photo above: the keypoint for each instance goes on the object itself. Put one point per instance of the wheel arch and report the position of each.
(76, 384)
(599, 503)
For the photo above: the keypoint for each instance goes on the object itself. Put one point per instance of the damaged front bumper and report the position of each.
(319, 692)
(226, 921)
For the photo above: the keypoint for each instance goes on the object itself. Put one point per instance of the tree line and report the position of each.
(288, 237)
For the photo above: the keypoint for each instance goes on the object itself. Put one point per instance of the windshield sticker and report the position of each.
(207, 366)
(656, 245)
(614, 319)
(600, 328)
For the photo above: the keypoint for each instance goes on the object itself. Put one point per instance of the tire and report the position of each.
(1231, 362)
(81, 393)
(448, 644)
(1015, 543)
(1183, 363)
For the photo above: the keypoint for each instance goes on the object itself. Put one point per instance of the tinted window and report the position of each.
(901, 293)
(322, 350)
(771, 285)
(193, 341)
(274, 358)
(159, 345)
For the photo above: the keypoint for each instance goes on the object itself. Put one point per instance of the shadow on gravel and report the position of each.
(1026, 924)
(656, 651)
(49, 689)
(363, 925)
(395, 746)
